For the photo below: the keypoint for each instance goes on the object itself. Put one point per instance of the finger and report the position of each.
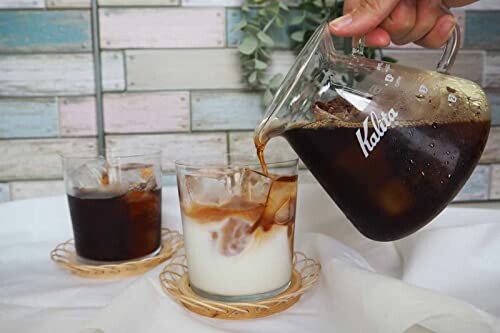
(428, 11)
(440, 33)
(401, 20)
(457, 3)
(349, 5)
(363, 18)
(378, 38)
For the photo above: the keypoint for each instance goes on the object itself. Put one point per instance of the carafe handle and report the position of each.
(448, 57)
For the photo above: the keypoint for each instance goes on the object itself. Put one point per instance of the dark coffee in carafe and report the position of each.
(405, 181)
(389, 177)
(392, 145)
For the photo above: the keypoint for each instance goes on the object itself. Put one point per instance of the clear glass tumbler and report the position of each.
(238, 226)
(115, 204)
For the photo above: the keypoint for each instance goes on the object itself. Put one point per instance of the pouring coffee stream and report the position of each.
(391, 145)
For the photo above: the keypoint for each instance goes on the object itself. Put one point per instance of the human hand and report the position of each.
(428, 23)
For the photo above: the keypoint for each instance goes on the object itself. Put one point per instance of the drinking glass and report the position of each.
(238, 225)
(115, 204)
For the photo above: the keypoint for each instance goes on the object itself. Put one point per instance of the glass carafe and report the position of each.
(392, 145)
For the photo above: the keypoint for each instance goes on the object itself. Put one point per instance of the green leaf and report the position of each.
(296, 20)
(318, 3)
(252, 28)
(265, 39)
(260, 65)
(247, 62)
(317, 19)
(240, 25)
(298, 36)
(252, 78)
(389, 59)
(264, 53)
(248, 45)
(283, 6)
(280, 21)
(267, 98)
(264, 80)
(276, 81)
(245, 8)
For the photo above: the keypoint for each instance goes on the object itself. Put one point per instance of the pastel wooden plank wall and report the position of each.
(39, 159)
(77, 116)
(492, 151)
(57, 74)
(212, 3)
(68, 3)
(492, 70)
(143, 3)
(9, 4)
(182, 69)
(495, 182)
(494, 99)
(182, 28)
(483, 30)
(171, 80)
(223, 110)
(28, 118)
(173, 146)
(110, 3)
(478, 185)
(159, 112)
(45, 31)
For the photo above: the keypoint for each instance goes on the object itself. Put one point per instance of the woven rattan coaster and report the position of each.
(175, 282)
(65, 256)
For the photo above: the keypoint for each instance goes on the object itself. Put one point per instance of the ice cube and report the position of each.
(209, 187)
(394, 197)
(136, 176)
(91, 174)
(286, 212)
(282, 191)
(255, 186)
(235, 237)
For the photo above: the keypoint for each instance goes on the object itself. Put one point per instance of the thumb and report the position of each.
(362, 16)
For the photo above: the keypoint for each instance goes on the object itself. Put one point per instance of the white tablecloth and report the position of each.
(453, 265)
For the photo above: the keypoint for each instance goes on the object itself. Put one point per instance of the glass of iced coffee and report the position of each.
(115, 204)
(238, 225)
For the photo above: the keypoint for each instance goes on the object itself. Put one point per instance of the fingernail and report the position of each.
(341, 22)
(447, 28)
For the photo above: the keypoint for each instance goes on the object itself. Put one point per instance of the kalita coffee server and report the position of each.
(392, 145)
